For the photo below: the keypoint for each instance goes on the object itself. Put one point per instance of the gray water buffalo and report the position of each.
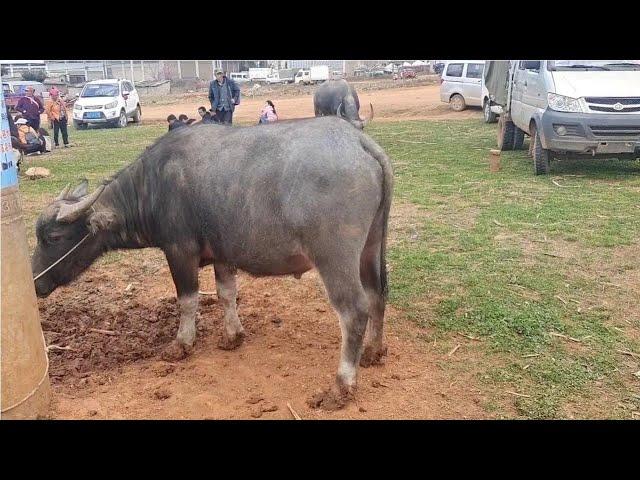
(276, 199)
(337, 97)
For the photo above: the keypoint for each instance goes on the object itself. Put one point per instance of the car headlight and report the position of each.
(77, 107)
(113, 104)
(560, 103)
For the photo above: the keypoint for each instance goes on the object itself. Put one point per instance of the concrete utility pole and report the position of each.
(26, 390)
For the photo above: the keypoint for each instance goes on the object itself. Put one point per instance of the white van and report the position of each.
(569, 108)
(461, 83)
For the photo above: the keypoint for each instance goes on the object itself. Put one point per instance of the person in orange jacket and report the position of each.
(57, 114)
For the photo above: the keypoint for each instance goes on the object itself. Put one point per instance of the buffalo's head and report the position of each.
(60, 227)
(348, 111)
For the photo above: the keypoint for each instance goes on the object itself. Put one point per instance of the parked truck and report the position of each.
(569, 108)
(283, 76)
(259, 74)
(319, 73)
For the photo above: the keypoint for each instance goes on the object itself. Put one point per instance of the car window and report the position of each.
(454, 70)
(474, 70)
(100, 90)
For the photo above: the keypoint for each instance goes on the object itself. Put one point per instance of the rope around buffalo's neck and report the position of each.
(62, 258)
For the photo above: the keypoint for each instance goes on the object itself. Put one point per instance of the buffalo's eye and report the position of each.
(53, 238)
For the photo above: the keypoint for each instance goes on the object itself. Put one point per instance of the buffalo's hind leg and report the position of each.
(184, 271)
(232, 332)
(341, 278)
(371, 277)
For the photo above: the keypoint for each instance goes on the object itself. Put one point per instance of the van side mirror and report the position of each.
(531, 65)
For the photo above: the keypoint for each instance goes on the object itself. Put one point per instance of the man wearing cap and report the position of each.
(224, 95)
(57, 114)
(31, 107)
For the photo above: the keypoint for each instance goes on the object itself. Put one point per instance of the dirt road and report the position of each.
(412, 103)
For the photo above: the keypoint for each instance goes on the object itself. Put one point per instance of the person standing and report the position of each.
(224, 95)
(57, 114)
(31, 107)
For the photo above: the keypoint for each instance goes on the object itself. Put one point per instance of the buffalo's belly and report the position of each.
(292, 265)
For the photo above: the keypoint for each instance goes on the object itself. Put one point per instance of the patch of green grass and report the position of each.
(500, 255)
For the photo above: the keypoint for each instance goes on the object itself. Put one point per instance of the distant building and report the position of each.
(15, 68)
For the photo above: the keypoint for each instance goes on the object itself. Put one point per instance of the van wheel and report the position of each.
(505, 134)
(457, 103)
(541, 157)
(518, 138)
(489, 116)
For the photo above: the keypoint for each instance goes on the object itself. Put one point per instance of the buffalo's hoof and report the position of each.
(332, 399)
(175, 351)
(231, 343)
(371, 356)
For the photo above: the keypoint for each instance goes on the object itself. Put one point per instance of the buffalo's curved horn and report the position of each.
(70, 213)
(64, 192)
(367, 120)
(338, 110)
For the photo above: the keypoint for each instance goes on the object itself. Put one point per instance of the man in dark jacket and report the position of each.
(224, 95)
(31, 107)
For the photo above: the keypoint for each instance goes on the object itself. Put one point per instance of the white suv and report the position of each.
(111, 101)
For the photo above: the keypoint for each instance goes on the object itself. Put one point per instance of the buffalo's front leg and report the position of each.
(232, 332)
(184, 270)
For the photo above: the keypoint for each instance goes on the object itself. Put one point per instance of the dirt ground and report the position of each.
(109, 328)
(411, 103)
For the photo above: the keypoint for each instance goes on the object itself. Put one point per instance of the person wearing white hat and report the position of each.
(29, 139)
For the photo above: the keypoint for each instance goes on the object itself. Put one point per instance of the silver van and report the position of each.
(461, 83)
(569, 108)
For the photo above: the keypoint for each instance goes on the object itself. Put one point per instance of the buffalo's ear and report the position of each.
(102, 220)
(81, 190)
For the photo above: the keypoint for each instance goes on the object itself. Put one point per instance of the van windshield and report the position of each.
(587, 65)
(100, 90)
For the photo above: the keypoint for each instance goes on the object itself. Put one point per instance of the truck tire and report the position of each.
(505, 134)
(457, 103)
(489, 116)
(541, 156)
(518, 138)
